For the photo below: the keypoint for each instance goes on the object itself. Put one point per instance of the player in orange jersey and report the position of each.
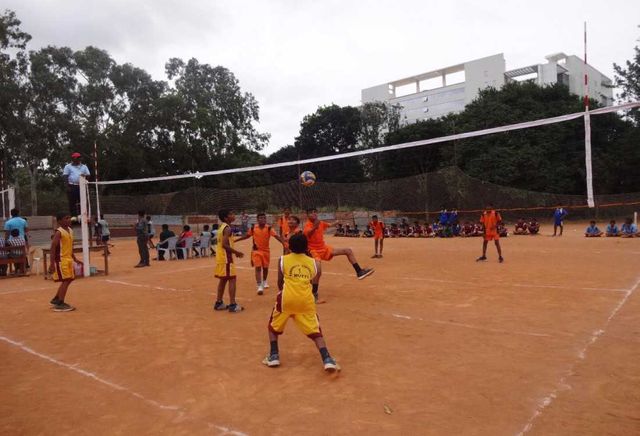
(314, 230)
(490, 220)
(378, 236)
(260, 254)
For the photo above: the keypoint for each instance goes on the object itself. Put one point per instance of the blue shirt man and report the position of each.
(71, 175)
(558, 216)
(16, 222)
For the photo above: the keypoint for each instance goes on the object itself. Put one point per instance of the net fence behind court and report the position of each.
(418, 196)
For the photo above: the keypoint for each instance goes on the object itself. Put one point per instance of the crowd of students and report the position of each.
(13, 243)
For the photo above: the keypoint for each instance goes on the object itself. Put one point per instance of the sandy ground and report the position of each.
(433, 343)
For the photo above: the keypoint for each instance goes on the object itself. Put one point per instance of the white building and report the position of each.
(446, 90)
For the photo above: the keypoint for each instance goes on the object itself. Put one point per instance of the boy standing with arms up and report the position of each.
(225, 268)
(314, 231)
(558, 219)
(490, 220)
(62, 259)
(261, 253)
(295, 300)
(378, 235)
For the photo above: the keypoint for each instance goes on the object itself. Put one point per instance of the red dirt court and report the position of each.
(432, 344)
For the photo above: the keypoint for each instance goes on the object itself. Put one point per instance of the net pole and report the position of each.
(12, 198)
(84, 220)
(587, 128)
(95, 164)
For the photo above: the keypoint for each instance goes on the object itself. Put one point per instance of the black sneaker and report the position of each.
(235, 307)
(481, 258)
(63, 307)
(501, 259)
(219, 306)
(272, 361)
(54, 301)
(366, 272)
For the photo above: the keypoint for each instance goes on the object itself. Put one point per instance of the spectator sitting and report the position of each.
(418, 230)
(395, 231)
(455, 228)
(387, 232)
(196, 243)
(502, 230)
(368, 233)
(186, 234)
(592, 231)
(629, 229)
(437, 229)
(428, 230)
(533, 227)
(339, 230)
(347, 230)
(164, 235)
(19, 243)
(521, 227)
(355, 232)
(478, 229)
(467, 229)
(612, 229)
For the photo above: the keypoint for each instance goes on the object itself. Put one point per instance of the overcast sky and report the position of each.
(296, 55)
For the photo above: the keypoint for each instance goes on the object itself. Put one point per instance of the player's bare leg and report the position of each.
(58, 302)
(315, 284)
(500, 258)
(381, 245)
(219, 304)
(233, 306)
(360, 272)
(484, 251)
(258, 271)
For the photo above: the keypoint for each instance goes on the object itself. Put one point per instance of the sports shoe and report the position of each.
(375, 256)
(501, 259)
(260, 289)
(235, 307)
(63, 307)
(140, 265)
(54, 301)
(265, 285)
(219, 306)
(330, 364)
(365, 273)
(481, 258)
(272, 361)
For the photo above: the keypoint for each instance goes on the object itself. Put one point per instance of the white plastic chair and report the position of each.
(171, 247)
(186, 250)
(205, 243)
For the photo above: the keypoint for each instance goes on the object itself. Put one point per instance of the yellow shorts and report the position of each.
(63, 270)
(325, 253)
(308, 323)
(225, 270)
(260, 259)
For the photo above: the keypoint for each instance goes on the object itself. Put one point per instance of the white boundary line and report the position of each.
(563, 382)
(138, 285)
(112, 385)
(473, 327)
(20, 291)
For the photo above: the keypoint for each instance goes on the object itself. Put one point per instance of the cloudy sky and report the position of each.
(296, 55)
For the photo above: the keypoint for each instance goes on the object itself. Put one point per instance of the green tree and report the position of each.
(628, 79)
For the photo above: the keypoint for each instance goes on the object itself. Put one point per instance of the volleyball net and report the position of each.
(398, 177)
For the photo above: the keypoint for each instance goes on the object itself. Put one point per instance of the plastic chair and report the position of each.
(205, 244)
(171, 248)
(186, 250)
(36, 263)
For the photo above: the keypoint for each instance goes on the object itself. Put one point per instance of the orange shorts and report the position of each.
(260, 259)
(378, 236)
(491, 237)
(325, 253)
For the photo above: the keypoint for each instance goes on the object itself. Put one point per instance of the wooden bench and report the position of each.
(14, 256)
(46, 252)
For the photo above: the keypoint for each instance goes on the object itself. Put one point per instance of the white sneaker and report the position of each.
(260, 290)
(265, 285)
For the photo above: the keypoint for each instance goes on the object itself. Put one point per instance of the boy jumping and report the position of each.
(261, 254)
(490, 220)
(225, 268)
(62, 259)
(295, 300)
(314, 231)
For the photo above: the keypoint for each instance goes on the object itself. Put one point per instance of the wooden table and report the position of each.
(102, 248)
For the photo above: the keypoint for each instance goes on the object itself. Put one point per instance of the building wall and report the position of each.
(597, 81)
(483, 73)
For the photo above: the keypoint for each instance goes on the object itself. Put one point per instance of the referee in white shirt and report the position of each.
(71, 175)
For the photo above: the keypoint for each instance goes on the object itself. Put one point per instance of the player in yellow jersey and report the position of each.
(295, 300)
(62, 259)
(225, 268)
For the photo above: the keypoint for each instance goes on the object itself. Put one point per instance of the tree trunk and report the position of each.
(33, 182)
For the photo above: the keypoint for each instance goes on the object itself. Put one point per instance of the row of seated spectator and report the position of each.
(13, 250)
(627, 230)
(348, 231)
(186, 243)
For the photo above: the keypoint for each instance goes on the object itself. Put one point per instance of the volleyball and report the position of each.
(307, 178)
